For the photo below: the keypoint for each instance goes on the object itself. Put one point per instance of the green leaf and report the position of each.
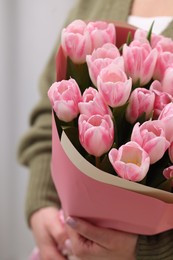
(142, 118)
(73, 135)
(150, 32)
(128, 41)
(155, 176)
(129, 38)
(143, 181)
(122, 127)
(166, 185)
(62, 125)
(106, 166)
(58, 124)
(80, 73)
(136, 84)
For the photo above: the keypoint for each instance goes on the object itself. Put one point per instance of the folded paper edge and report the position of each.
(93, 172)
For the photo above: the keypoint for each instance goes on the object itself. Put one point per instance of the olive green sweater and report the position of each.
(35, 146)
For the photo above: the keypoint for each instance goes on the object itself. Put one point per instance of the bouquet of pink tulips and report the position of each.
(113, 102)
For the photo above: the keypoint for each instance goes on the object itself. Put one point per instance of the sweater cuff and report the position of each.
(157, 247)
(41, 191)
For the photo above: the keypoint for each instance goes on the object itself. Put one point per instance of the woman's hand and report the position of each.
(89, 242)
(49, 233)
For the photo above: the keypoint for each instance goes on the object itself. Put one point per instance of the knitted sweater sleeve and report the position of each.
(35, 149)
(35, 146)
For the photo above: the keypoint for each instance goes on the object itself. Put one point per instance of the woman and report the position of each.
(87, 241)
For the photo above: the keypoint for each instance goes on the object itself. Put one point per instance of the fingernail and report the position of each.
(61, 216)
(68, 244)
(71, 222)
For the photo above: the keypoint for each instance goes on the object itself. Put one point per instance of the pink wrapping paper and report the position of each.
(103, 199)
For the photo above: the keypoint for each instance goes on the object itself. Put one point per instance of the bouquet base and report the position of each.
(103, 202)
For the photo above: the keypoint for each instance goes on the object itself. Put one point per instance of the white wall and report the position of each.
(29, 30)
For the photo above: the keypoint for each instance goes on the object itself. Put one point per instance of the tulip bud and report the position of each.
(96, 133)
(162, 98)
(141, 101)
(102, 57)
(151, 137)
(76, 41)
(100, 33)
(168, 173)
(92, 103)
(162, 43)
(114, 85)
(140, 61)
(130, 161)
(164, 61)
(167, 82)
(171, 151)
(64, 97)
(167, 117)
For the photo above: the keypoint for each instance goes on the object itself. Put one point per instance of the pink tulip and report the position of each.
(76, 41)
(161, 98)
(114, 85)
(102, 57)
(101, 32)
(170, 150)
(96, 133)
(168, 173)
(139, 61)
(160, 42)
(141, 35)
(64, 97)
(151, 137)
(141, 101)
(92, 103)
(164, 61)
(167, 82)
(130, 161)
(167, 117)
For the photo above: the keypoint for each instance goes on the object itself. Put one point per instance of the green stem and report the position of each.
(97, 162)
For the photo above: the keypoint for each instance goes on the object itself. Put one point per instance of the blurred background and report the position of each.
(28, 30)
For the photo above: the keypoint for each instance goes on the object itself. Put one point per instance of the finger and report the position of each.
(67, 248)
(58, 233)
(73, 257)
(51, 252)
(101, 236)
(87, 230)
(79, 246)
(75, 240)
(49, 249)
(68, 245)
